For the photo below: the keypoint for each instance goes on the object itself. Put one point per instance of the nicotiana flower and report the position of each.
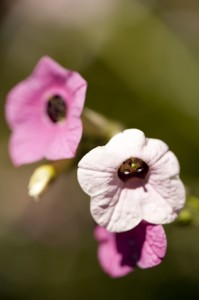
(119, 253)
(130, 179)
(44, 111)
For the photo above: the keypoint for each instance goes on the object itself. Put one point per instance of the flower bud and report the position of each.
(184, 217)
(40, 180)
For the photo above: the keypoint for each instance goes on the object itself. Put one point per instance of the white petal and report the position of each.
(173, 192)
(167, 166)
(155, 209)
(118, 210)
(99, 159)
(126, 144)
(97, 171)
(102, 206)
(153, 151)
(96, 182)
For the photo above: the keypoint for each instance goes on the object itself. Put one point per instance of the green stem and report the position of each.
(97, 125)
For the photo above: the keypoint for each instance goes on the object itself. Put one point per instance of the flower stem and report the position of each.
(98, 125)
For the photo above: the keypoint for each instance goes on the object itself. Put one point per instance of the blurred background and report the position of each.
(141, 61)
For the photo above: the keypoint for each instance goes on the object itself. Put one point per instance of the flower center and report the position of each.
(132, 167)
(56, 108)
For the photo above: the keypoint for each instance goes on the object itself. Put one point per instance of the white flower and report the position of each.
(130, 179)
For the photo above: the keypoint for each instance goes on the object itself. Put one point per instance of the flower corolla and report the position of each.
(43, 112)
(130, 179)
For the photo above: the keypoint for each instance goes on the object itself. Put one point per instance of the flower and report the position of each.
(130, 179)
(44, 111)
(119, 253)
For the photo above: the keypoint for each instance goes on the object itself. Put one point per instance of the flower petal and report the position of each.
(126, 144)
(154, 247)
(109, 257)
(172, 191)
(102, 205)
(20, 145)
(119, 253)
(154, 149)
(21, 104)
(117, 209)
(48, 71)
(63, 141)
(101, 234)
(78, 95)
(95, 183)
(99, 160)
(155, 208)
(167, 166)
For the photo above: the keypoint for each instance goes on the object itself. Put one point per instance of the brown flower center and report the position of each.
(132, 167)
(56, 108)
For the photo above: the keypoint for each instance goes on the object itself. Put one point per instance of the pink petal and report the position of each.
(109, 257)
(63, 141)
(101, 234)
(27, 146)
(154, 247)
(48, 71)
(77, 87)
(119, 253)
(21, 104)
(110, 262)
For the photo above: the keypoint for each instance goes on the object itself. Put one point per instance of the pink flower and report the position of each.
(130, 179)
(119, 253)
(44, 111)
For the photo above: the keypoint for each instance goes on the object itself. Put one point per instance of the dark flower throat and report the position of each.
(56, 109)
(132, 167)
